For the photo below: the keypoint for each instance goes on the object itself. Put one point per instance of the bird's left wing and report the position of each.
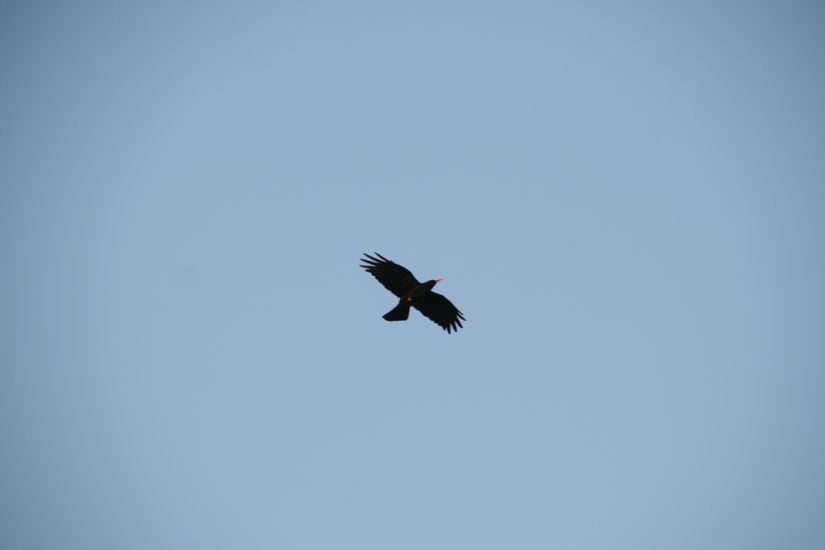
(395, 278)
(440, 310)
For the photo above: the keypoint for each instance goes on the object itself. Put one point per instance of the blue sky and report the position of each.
(625, 199)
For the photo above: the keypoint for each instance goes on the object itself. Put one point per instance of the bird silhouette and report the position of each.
(411, 293)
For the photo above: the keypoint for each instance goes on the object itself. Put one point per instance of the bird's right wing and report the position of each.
(395, 278)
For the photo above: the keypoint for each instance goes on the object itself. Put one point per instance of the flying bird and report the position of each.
(398, 280)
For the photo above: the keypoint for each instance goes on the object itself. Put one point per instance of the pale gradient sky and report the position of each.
(626, 200)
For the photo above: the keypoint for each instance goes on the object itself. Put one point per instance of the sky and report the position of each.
(625, 199)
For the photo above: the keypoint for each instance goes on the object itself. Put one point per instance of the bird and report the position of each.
(401, 282)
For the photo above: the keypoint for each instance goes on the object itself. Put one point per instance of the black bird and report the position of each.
(398, 280)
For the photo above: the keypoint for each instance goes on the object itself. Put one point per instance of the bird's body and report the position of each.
(411, 293)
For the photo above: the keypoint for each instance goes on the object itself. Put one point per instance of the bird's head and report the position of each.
(431, 283)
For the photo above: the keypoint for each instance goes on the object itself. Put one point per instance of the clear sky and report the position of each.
(626, 200)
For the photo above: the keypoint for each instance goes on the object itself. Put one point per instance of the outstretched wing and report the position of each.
(440, 310)
(395, 278)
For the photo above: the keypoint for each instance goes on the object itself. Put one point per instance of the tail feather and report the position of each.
(398, 313)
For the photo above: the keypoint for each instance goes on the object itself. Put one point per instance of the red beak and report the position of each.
(438, 280)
